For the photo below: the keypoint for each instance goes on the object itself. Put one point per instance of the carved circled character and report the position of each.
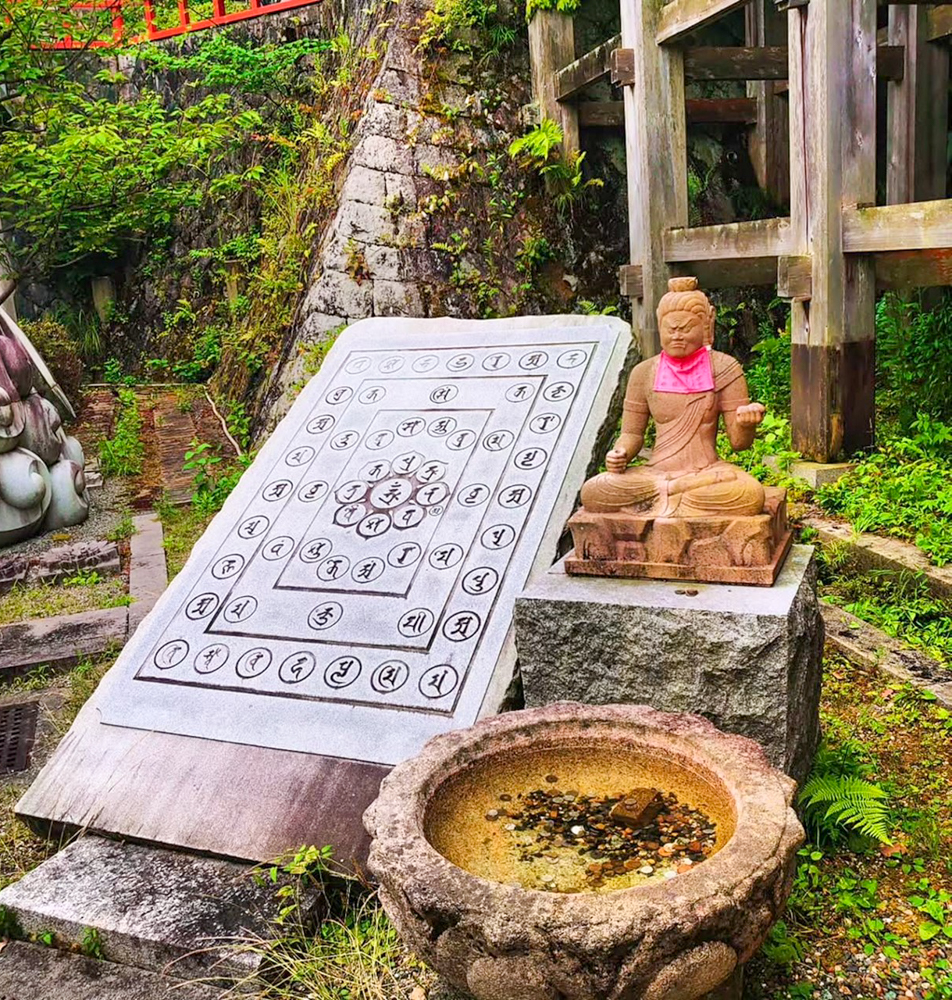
(685, 389)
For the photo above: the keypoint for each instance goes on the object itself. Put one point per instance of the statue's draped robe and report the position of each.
(684, 476)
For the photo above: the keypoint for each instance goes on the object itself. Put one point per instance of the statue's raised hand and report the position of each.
(616, 460)
(751, 415)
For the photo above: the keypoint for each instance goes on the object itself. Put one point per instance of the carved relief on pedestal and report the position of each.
(42, 484)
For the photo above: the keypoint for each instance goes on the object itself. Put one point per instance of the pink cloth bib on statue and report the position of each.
(695, 373)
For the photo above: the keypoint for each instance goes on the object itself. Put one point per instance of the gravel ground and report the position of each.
(107, 505)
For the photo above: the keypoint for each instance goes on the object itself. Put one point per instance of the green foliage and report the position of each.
(538, 144)
(838, 800)
(901, 604)
(91, 943)
(199, 459)
(82, 176)
(772, 439)
(768, 373)
(222, 62)
(562, 6)
(238, 422)
(59, 351)
(113, 375)
(914, 360)
(9, 924)
(466, 26)
(355, 951)
(540, 150)
(212, 490)
(935, 906)
(904, 490)
(782, 946)
(206, 353)
(123, 529)
(834, 802)
(123, 453)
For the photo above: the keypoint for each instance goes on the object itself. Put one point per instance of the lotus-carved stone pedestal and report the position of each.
(748, 550)
(678, 939)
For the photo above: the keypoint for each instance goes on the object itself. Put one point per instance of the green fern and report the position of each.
(852, 805)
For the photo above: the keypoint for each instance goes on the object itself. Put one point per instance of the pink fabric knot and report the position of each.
(695, 373)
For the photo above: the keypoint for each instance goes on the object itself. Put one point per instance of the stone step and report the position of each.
(172, 913)
(34, 972)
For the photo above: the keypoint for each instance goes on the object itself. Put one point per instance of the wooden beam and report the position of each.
(698, 111)
(721, 110)
(732, 241)
(552, 46)
(741, 63)
(795, 278)
(631, 281)
(938, 23)
(833, 164)
(748, 63)
(925, 225)
(601, 114)
(585, 71)
(908, 269)
(681, 17)
(657, 162)
(621, 64)
(744, 273)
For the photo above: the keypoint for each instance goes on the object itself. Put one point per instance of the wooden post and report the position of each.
(833, 166)
(918, 112)
(656, 150)
(552, 48)
(769, 142)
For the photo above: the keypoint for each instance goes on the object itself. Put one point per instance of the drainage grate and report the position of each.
(17, 731)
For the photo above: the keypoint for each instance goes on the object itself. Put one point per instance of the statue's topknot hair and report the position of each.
(684, 294)
(682, 284)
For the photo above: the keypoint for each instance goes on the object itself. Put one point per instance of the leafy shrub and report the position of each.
(901, 604)
(465, 25)
(540, 150)
(914, 360)
(206, 353)
(773, 439)
(212, 488)
(122, 454)
(839, 801)
(904, 490)
(60, 352)
(835, 802)
(768, 374)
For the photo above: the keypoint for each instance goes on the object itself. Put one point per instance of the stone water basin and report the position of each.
(455, 880)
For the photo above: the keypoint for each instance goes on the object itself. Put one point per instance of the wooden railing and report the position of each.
(811, 110)
(130, 22)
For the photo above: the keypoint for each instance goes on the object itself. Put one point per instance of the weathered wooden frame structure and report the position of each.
(812, 68)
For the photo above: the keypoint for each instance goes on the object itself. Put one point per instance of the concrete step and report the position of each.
(34, 972)
(167, 912)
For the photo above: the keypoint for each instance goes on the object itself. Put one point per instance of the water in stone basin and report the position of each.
(542, 818)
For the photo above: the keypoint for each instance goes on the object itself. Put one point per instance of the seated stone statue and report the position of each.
(685, 513)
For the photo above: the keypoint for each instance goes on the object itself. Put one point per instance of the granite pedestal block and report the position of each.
(749, 659)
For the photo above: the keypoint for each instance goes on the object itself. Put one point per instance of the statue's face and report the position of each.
(682, 333)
